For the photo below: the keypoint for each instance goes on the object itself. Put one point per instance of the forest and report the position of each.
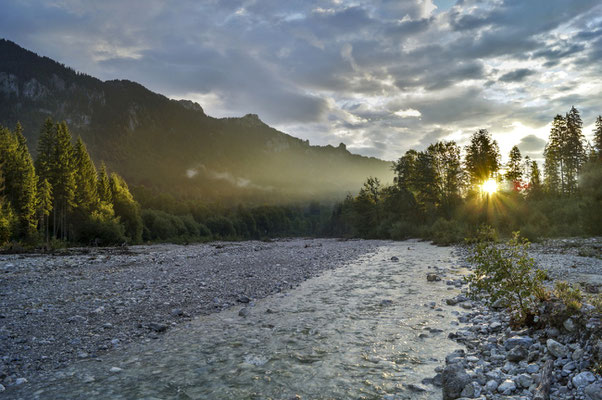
(444, 193)
(440, 195)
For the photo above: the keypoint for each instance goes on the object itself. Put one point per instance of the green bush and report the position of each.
(445, 232)
(402, 230)
(508, 274)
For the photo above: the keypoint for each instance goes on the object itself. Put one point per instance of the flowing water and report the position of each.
(361, 331)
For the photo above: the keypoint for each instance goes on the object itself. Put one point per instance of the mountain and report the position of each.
(173, 146)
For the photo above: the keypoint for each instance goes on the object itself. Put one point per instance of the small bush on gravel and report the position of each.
(571, 297)
(507, 274)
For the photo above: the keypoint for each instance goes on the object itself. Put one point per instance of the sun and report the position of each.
(489, 186)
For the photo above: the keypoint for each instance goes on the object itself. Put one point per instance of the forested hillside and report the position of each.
(173, 146)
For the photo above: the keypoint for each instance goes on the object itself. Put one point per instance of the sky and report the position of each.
(381, 76)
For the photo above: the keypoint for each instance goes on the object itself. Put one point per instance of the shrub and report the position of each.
(508, 274)
(445, 232)
(571, 297)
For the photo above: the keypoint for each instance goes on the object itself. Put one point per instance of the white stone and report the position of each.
(556, 349)
(507, 386)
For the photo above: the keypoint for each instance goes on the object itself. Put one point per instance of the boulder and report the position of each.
(556, 349)
(432, 277)
(594, 391)
(524, 341)
(454, 379)
(517, 353)
(583, 379)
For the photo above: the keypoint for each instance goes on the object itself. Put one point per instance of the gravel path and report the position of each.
(82, 303)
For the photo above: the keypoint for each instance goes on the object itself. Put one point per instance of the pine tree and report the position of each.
(5, 212)
(20, 180)
(86, 196)
(514, 168)
(482, 158)
(126, 208)
(554, 167)
(44, 207)
(535, 187)
(573, 153)
(103, 185)
(598, 137)
(62, 180)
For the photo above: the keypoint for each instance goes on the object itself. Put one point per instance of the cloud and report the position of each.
(531, 144)
(518, 75)
(380, 75)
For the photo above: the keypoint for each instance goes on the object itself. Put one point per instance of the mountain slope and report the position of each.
(173, 145)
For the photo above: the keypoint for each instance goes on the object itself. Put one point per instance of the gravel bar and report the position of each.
(84, 302)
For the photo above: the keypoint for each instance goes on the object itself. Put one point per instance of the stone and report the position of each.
(386, 302)
(569, 325)
(115, 369)
(524, 381)
(499, 304)
(556, 349)
(432, 277)
(88, 379)
(244, 312)
(506, 387)
(454, 378)
(524, 341)
(243, 299)
(517, 354)
(532, 368)
(594, 391)
(156, 327)
(451, 302)
(20, 381)
(416, 388)
(394, 259)
(471, 390)
(2, 388)
(578, 354)
(455, 357)
(491, 385)
(583, 379)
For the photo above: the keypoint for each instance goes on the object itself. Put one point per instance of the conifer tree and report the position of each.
(573, 153)
(598, 137)
(514, 168)
(554, 165)
(44, 207)
(5, 214)
(86, 196)
(20, 180)
(103, 185)
(482, 158)
(535, 187)
(126, 208)
(62, 180)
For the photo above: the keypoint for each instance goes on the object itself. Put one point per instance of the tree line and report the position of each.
(62, 198)
(438, 193)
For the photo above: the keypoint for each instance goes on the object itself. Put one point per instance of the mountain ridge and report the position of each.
(173, 145)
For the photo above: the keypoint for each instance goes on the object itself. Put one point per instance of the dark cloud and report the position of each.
(518, 75)
(531, 144)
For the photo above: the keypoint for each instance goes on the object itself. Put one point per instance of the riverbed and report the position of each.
(372, 328)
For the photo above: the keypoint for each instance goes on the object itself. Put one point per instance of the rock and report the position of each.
(569, 325)
(2, 388)
(556, 349)
(578, 354)
(432, 277)
(499, 304)
(177, 312)
(88, 379)
(454, 357)
(524, 381)
(453, 379)
(243, 299)
(156, 327)
(594, 391)
(471, 390)
(20, 381)
(583, 379)
(524, 341)
(416, 388)
(386, 302)
(491, 385)
(451, 302)
(244, 312)
(506, 387)
(517, 353)
(467, 305)
(532, 368)
(115, 369)
(495, 326)
(394, 259)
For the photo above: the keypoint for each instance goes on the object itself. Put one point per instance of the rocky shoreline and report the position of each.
(82, 303)
(550, 362)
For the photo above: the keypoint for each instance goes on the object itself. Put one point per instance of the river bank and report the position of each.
(82, 303)
(501, 362)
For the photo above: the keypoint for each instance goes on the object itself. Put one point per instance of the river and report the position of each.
(372, 329)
